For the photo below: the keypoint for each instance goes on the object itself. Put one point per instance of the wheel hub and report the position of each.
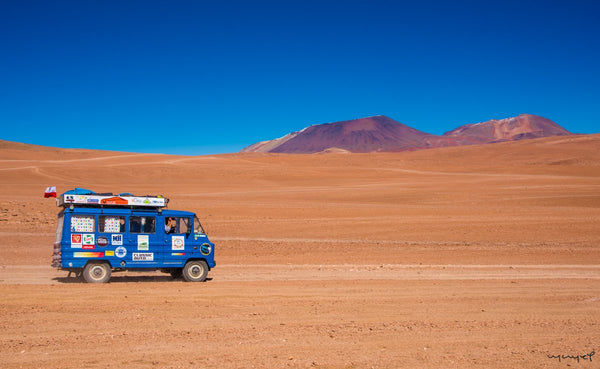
(98, 272)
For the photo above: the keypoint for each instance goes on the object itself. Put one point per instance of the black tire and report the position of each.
(195, 271)
(176, 273)
(96, 272)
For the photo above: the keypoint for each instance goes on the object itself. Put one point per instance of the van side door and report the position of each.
(143, 241)
(177, 247)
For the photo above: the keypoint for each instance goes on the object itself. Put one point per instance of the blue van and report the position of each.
(101, 233)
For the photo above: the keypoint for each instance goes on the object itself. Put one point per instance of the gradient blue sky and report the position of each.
(204, 77)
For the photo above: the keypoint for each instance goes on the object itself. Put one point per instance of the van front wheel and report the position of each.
(96, 272)
(195, 271)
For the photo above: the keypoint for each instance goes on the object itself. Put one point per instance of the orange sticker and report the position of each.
(114, 201)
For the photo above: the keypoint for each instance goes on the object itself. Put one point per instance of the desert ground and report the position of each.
(477, 256)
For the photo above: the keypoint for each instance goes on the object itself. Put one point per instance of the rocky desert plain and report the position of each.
(481, 256)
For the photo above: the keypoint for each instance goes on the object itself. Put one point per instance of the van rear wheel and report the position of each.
(195, 271)
(96, 272)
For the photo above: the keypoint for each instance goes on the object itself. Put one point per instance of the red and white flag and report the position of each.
(50, 192)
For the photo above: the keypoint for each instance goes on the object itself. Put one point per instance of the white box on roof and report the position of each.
(112, 200)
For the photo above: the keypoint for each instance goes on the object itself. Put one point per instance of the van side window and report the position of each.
(111, 224)
(177, 225)
(184, 225)
(82, 223)
(170, 225)
(142, 224)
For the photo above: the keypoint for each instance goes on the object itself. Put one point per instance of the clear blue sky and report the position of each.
(203, 77)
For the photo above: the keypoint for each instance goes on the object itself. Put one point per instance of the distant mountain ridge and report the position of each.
(521, 127)
(381, 133)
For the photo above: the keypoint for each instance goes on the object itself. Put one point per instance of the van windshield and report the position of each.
(197, 226)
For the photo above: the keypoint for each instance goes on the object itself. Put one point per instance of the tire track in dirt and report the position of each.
(43, 275)
(42, 163)
(360, 241)
(478, 174)
(95, 158)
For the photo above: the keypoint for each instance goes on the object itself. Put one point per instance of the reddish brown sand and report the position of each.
(480, 256)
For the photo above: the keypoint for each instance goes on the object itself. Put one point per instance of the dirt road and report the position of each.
(42, 275)
(335, 316)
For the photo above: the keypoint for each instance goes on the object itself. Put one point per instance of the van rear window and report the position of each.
(82, 223)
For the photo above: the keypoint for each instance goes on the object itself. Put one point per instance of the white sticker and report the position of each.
(88, 239)
(143, 242)
(177, 243)
(142, 256)
(120, 252)
(116, 239)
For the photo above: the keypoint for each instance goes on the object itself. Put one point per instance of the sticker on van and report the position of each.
(121, 252)
(88, 239)
(142, 256)
(143, 242)
(88, 254)
(116, 239)
(177, 243)
(76, 241)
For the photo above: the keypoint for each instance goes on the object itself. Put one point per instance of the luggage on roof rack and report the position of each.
(79, 191)
(83, 197)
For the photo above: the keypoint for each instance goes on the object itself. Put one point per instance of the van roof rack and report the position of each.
(82, 197)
